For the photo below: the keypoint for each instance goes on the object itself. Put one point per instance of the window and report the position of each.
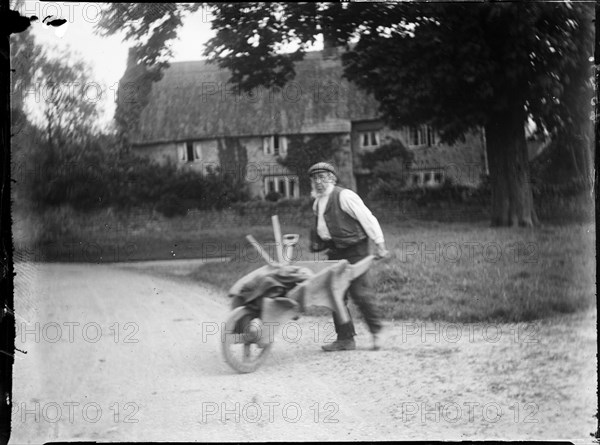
(421, 135)
(287, 186)
(430, 178)
(185, 152)
(369, 139)
(430, 136)
(275, 145)
(199, 153)
(189, 151)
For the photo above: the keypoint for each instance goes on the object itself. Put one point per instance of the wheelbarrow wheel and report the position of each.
(241, 347)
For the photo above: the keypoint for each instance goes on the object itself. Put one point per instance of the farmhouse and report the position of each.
(194, 118)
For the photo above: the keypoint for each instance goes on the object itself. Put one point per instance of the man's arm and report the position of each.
(351, 203)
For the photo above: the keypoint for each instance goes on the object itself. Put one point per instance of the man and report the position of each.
(344, 225)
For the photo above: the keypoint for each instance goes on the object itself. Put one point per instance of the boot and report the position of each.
(340, 345)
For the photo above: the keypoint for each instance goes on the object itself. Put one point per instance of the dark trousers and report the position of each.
(361, 291)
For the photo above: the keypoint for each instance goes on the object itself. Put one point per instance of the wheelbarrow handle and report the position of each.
(360, 267)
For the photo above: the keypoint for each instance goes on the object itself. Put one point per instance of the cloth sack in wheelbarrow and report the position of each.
(301, 287)
(273, 283)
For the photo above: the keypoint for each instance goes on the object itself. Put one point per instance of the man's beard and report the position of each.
(316, 194)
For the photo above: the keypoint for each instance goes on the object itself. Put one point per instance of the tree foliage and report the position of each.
(454, 65)
(25, 56)
(70, 106)
(152, 26)
(53, 93)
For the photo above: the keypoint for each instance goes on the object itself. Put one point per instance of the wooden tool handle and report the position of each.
(260, 250)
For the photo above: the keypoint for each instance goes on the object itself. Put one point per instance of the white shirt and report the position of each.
(350, 203)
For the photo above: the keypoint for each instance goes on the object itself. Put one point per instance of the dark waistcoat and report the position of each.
(344, 229)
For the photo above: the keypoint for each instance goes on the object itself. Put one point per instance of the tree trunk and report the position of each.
(512, 198)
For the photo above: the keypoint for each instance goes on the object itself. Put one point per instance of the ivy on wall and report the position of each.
(304, 151)
(233, 159)
(132, 98)
(233, 156)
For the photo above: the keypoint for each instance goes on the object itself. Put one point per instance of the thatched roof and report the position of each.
(194, 101)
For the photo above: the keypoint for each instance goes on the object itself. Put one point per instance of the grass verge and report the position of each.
(468, 272)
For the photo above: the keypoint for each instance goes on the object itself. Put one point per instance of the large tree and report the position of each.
(457, 66)
(69, 102)
(57, 95)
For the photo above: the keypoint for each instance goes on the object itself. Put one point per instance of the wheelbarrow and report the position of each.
(250, 329)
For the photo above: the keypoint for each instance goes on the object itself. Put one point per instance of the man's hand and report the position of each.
(382, 252)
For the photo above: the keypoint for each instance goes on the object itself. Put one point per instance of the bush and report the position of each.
(98, 175)
(389, 164)
(392, 150)
(570, 188)
(447, 192)
(273, 196)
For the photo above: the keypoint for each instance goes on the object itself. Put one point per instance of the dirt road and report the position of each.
(116, 354)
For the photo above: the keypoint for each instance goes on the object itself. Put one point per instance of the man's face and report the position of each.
(321, 180)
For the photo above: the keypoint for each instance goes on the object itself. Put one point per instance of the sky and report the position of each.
(107, 56)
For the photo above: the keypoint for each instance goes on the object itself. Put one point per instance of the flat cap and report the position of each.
(321, 167)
